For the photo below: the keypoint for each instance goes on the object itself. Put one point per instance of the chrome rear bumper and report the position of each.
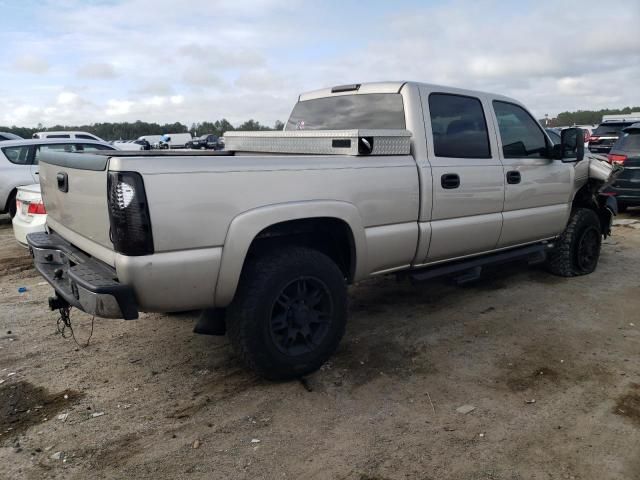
(82, 281)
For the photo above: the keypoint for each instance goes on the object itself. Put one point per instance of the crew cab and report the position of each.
(369, 179)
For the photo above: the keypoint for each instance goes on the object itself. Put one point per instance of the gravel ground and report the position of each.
(550, 364)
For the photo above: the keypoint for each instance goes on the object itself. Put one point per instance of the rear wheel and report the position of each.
(578, 249)
(12, 205)
(622, 207)
(289, 313)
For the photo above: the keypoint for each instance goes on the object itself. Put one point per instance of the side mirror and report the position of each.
(571, 148)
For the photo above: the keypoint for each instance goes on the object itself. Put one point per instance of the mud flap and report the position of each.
(608, 208)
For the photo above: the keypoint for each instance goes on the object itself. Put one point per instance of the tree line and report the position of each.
(132, 130)
(586, 117)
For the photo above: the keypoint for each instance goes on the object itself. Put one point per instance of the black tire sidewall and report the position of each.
(262, 286)
(585, 223)
(12, 208)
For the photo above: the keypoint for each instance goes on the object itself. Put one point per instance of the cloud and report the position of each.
(200, 76)
(31, 64)
(251, 58)
(97, 71)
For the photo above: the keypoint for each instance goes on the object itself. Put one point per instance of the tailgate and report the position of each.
(74, 190)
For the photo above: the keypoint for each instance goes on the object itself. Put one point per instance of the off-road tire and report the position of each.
(577, 250)
(622, 207)
(249, 317)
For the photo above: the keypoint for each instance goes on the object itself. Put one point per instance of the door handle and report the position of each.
(513, 177)
(450, 180)
(63, 182)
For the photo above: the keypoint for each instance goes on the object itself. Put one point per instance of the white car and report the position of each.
(19, 163)
(31, 215)
(65, 134)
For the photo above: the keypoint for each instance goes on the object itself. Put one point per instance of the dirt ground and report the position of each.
(551, 366)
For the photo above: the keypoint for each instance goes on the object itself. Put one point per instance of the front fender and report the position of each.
(245, 227)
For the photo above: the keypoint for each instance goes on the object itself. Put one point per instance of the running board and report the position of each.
(469, 270)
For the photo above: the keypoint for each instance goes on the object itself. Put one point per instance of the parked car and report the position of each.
(209, 142)
(369, 179)
(153, 140)
(174, 140)
(607, 133)
(65, 134)
(626, 152)
(19, 163)
(31, 216)
(9, 136)
(132, 145)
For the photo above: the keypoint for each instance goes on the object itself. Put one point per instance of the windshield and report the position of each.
(610, 129)
(374, 110)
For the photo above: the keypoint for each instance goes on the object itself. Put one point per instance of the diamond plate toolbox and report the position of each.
(322, 142)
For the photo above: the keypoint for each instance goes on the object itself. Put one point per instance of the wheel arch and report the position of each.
(11, 195)
(588, 196)
(273, 221)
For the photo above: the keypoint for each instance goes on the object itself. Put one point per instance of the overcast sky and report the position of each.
(72, 62)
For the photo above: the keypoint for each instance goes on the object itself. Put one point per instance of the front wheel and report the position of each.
(577, 251)
(289, 313)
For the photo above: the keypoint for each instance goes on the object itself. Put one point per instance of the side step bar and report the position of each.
(469, 270)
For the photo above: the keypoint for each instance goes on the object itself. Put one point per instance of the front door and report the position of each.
(468, 183)
(538, 189)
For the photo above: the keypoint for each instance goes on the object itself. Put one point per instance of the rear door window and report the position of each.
(18, 155)
(521, 135)
(459, 126)
(344, 112)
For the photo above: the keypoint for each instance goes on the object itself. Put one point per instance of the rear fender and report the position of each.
(245, 227)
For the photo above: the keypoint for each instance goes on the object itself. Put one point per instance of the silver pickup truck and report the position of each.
(366, 179)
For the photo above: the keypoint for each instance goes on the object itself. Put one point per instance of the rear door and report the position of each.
(537, 189)
(468, 184)
(16, 170)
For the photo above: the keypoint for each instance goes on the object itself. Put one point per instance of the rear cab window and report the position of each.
(345, 112)
(459, 126)
(54, 147)
(86, 137)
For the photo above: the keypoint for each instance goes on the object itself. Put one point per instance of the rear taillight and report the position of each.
(36, 209)
(587, 135)
(129, 214)
(613, 158)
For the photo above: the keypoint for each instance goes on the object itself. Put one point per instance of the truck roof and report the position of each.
(392, 87)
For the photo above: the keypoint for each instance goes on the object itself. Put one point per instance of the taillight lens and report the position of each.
(36, 209)
(613, 158)
(129, 214)
(587, 135)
